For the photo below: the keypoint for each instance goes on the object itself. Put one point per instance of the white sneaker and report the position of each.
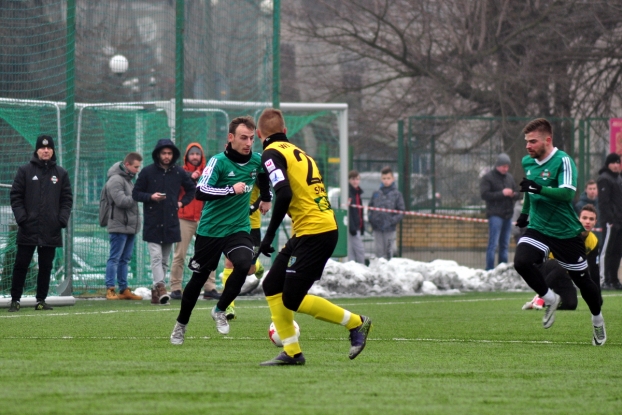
(179, 332)
(222, 325)
(549, 312)
(600, 335)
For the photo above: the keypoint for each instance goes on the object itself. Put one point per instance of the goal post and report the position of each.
(105, 132)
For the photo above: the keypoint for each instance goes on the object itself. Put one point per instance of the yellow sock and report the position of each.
(283, 320)
(225, 276)
(323, 309)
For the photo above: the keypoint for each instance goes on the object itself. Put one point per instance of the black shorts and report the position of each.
(207, 250)
(307, 255)
(569, 253)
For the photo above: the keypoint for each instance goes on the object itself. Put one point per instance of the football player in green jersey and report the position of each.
(552, 225)
(225, 185)
(301, 194)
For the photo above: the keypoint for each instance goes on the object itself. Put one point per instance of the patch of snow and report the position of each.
(401, 276)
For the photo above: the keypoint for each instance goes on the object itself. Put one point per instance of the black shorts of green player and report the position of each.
(238, 248)
(534, 247)
(298, 265)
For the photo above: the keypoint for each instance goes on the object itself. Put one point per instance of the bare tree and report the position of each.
(458, 57)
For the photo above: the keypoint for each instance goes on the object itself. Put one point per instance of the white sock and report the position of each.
(549, 297)
(598, 320)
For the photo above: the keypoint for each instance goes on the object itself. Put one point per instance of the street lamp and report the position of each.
(118, 64)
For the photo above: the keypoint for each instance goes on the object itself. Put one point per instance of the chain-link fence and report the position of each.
(108, 77)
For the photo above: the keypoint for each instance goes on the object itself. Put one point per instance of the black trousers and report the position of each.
(611, 253)
(23, 257)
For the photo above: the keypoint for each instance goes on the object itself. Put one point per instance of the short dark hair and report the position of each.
(590, 182)
(386, 170)
(353, 174)
(540, 125)
(247, 120)
(132, 157)
(590, 208)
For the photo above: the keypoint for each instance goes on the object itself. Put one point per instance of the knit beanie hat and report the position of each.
(502, 160)
(612, 158)
(44, 141)
(194, 149)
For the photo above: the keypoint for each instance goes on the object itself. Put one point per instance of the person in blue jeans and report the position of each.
(499, 190)
(123, 225)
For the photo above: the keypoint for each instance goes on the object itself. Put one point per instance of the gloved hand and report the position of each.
(352, 231)
(522, 221)
(530, 186)
(266, 246)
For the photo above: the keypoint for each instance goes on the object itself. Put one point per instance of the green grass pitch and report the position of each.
(475, 353)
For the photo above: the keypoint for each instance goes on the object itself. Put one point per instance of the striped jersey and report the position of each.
(552, 217)
(229, 214)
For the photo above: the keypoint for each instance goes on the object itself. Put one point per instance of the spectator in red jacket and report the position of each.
(189, 215)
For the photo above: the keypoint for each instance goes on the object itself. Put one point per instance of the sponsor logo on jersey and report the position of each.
(276, 177)
(269, 165)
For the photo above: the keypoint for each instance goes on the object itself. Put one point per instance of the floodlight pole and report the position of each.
(276, 54)
(179, 73)
(67, 286)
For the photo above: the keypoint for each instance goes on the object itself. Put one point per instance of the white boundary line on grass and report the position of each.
(395, 339)
(160, 309)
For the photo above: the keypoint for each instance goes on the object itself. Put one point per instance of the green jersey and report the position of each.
(226, 213)
(548, 216)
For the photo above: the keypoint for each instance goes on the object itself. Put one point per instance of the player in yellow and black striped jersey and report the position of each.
(301, 194)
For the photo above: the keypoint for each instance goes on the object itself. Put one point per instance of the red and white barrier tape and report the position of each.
(425, 215)
(434, 215)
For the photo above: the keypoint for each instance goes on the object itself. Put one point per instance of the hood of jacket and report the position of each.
(386, 189)
(189, 167)
(165, 142)
(118, 169)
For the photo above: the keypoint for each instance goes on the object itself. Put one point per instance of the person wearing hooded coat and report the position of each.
(41, 200)
(157, 187)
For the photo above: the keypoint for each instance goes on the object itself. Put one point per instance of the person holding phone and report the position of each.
(157, 187)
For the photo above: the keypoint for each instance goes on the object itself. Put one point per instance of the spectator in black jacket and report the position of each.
(610, 210)
(41, 200)
(158, 186)
(499, 190)
(356, 225)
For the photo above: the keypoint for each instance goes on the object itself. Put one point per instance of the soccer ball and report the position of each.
(274, 336)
